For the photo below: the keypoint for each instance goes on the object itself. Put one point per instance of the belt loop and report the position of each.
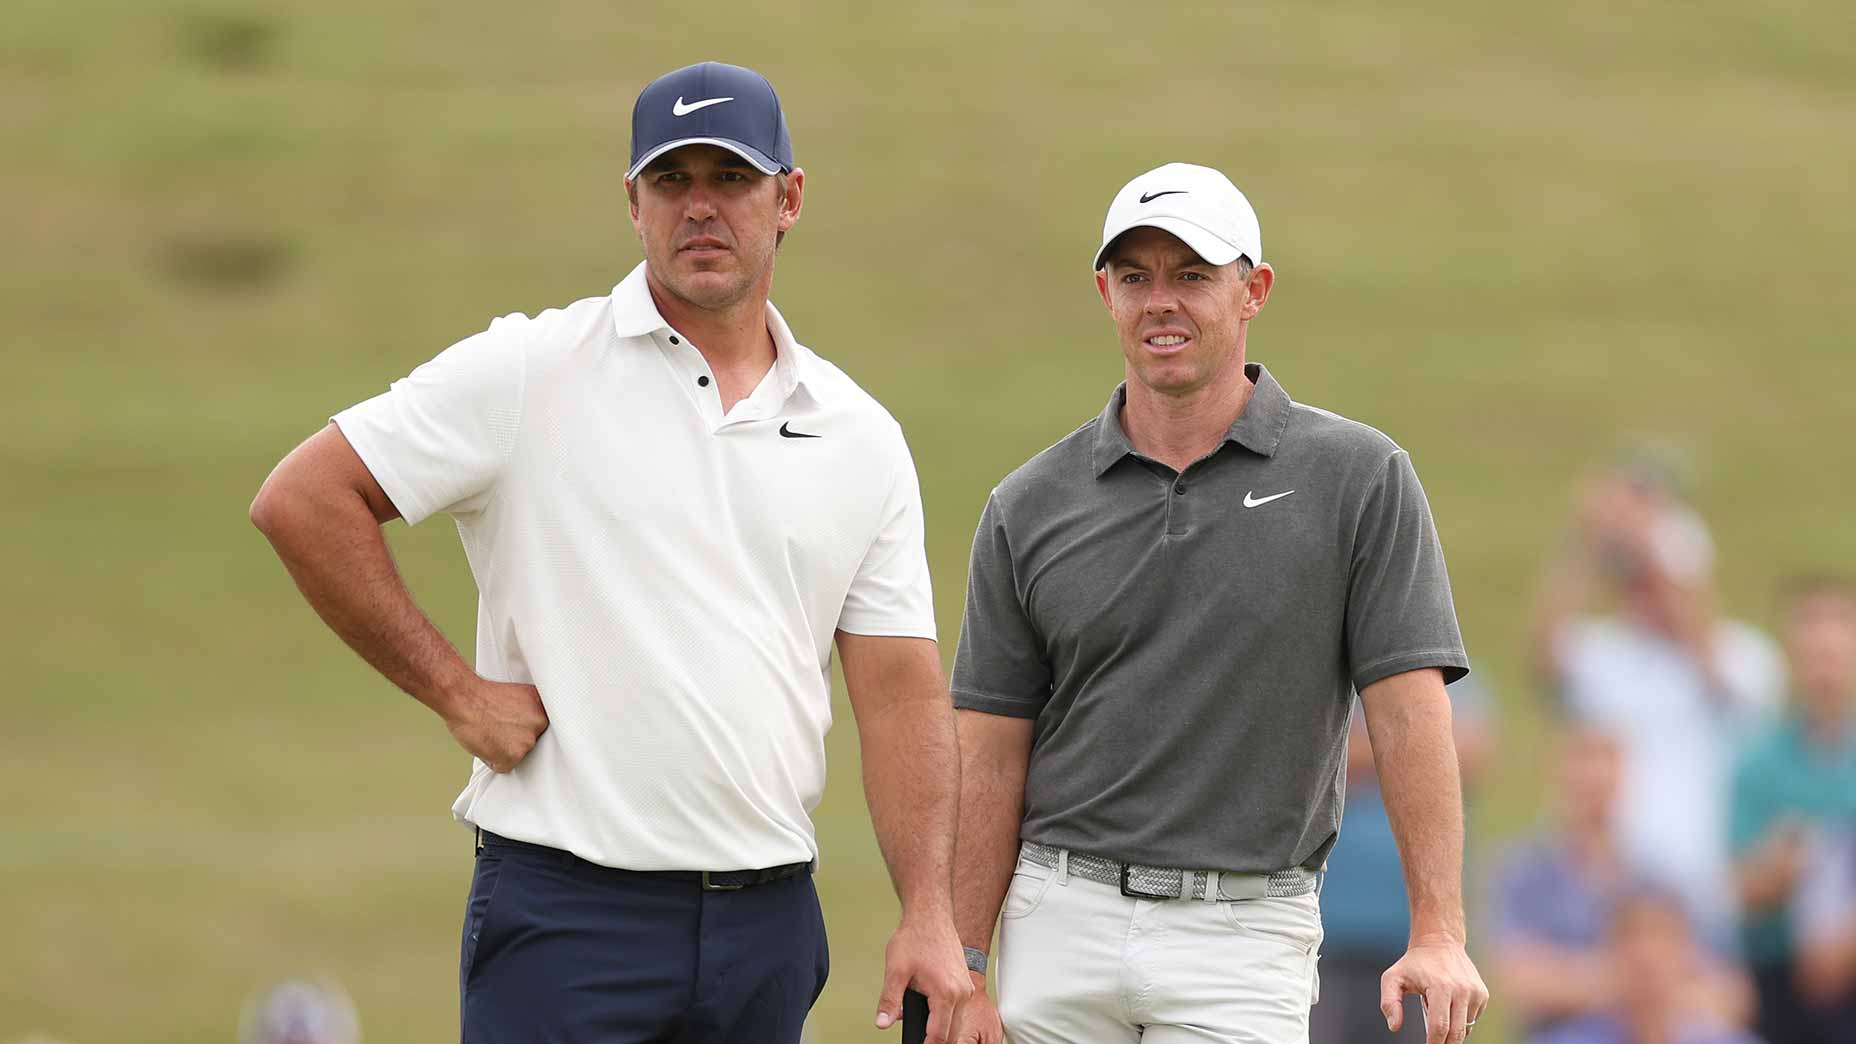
(1212, 885)
(1063, 867)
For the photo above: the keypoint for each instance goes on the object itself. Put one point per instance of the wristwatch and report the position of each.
(976, 959)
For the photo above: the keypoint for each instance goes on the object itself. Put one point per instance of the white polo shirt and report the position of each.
(668, 576)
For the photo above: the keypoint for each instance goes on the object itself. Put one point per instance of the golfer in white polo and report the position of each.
(673, 510)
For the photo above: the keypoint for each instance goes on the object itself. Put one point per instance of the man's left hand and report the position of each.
(1439, 970)
(925, 954)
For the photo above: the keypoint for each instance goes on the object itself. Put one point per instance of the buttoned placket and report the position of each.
(1181, 506)
(1178, 509)
(763, 403)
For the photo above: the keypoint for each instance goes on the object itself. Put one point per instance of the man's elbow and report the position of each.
(993, 747)
(270, 509)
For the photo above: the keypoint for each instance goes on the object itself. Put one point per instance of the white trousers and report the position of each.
(1080, 963)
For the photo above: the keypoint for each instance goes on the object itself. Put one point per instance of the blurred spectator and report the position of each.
(1554, 902)
(1364, 914)
(298, 1012)
(1663, 672)
(1824, 924)
(1655, 959)
(1794, 786)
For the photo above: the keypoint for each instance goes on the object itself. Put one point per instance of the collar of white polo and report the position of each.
(634, 314)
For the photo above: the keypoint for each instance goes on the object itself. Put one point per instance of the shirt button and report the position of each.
(673, 339)
(703, 381)
(1180, 487)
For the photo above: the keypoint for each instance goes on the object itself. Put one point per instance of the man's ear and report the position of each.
(1257, 291)
(794, 201)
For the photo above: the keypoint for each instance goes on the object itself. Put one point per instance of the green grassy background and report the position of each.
(1514, 239)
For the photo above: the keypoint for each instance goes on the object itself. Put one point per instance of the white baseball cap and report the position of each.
(1197, 204)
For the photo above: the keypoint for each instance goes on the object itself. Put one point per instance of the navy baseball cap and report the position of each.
(711, 104)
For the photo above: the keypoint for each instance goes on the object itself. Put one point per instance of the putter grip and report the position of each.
(914, 1017)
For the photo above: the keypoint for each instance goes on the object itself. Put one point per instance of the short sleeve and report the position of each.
(1000, 666)
(438, 438)
(1400, 616)
(892, 595)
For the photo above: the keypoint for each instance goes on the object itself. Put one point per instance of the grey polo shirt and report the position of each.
(1190, 643)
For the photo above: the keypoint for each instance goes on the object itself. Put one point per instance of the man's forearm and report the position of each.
(1418, 777)
(911, 782)
(331, 543)
(992, 807)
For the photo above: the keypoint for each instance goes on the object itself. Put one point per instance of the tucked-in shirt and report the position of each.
(1189, 644)
(669, 575)
(1678, 734)
(1785, 773)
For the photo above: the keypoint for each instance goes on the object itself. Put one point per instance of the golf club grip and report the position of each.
(914, 1017)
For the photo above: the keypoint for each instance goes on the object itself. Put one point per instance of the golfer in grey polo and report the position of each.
(1168, 615)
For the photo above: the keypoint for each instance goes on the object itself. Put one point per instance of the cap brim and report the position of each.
(1214, 250)
(762, 162)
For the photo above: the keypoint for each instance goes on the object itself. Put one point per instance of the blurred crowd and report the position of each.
(1693, 876)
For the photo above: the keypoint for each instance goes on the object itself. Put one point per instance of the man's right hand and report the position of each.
(499, 722)
(978, 1021)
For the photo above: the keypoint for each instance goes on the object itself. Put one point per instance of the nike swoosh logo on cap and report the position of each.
(1169, 192)
(680, 109)
(1251, 500)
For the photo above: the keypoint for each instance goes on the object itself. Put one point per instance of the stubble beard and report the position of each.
(709, 295)
(1171, 377)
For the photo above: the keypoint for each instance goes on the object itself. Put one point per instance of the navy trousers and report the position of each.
(561, 951)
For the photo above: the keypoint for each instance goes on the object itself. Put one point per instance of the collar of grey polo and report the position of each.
(634, 314)
(1258, 429)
